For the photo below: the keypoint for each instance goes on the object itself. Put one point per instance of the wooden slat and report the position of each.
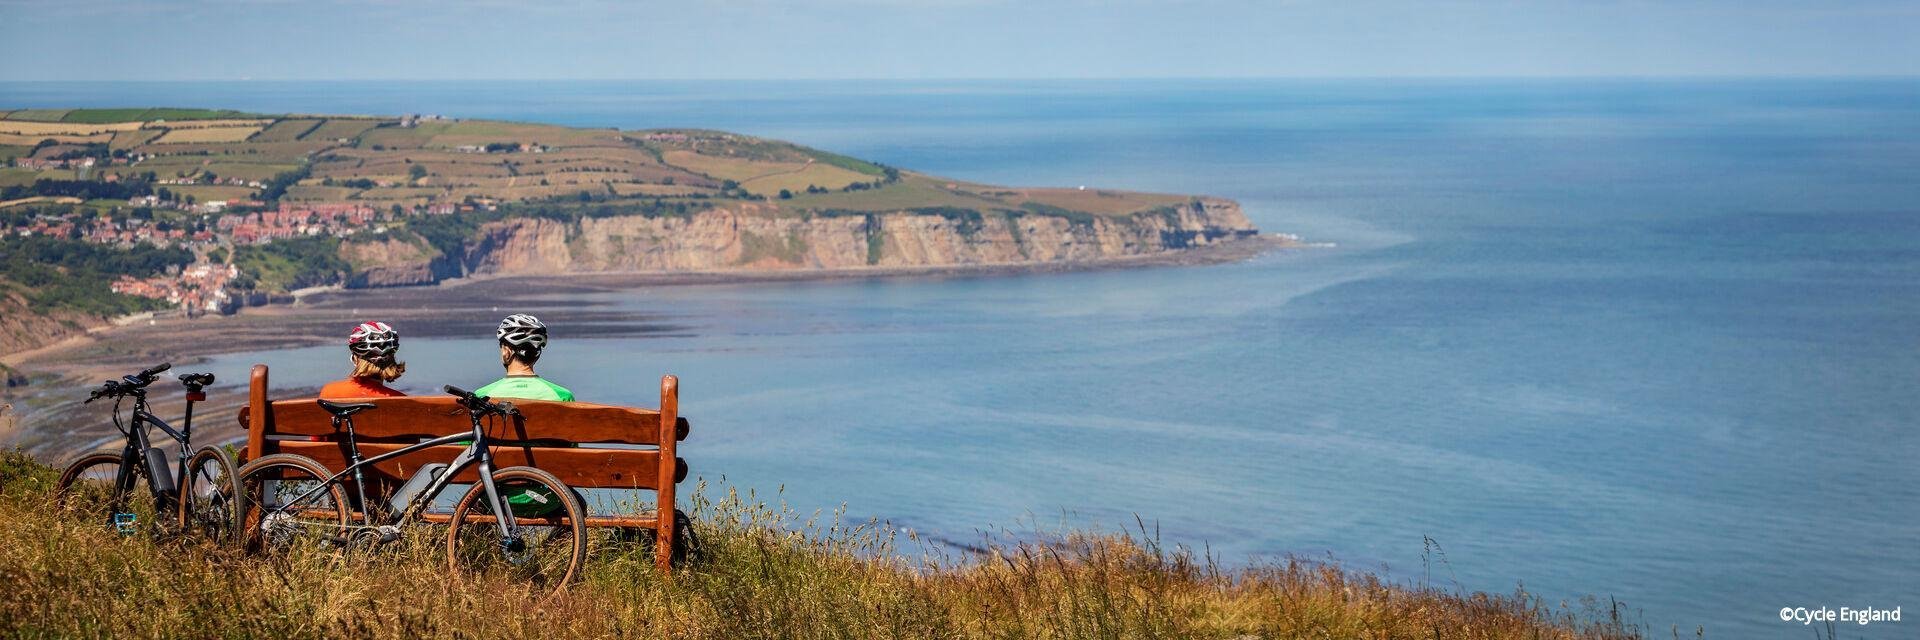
(644, 522)
(438, 517)
(578, 468)
(428, 416)
(256, 397)
(670, 413)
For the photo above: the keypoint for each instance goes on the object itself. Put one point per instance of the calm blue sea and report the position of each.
(1653, 340)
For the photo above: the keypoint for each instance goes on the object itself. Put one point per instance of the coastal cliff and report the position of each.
(750, 236)
(396, 201)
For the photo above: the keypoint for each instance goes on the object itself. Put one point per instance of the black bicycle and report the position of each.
(297, 500)
(209, 503)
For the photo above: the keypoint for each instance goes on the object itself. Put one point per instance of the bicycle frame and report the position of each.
(134, 455)
(478, 452)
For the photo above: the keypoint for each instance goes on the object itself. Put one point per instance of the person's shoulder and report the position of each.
(337, 389)
(562, 393)
(491, 387)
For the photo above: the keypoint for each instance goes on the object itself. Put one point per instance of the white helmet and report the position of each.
(524, 333)
(373, 341)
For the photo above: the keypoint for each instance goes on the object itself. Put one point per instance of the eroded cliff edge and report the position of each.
(749, 236)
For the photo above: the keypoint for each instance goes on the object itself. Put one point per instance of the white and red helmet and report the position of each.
(374, 341)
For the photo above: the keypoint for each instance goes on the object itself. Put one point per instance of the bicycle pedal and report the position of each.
(388, 533)
(125, 522)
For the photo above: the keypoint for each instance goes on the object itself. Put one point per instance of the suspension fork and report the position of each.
(502, 510)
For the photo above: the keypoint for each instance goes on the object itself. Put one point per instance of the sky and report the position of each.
(909, 39)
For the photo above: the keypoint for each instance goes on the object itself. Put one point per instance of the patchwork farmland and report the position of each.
(417, 162)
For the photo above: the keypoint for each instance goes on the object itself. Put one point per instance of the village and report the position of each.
(203, 287)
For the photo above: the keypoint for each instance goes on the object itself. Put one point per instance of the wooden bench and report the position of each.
(567, 439)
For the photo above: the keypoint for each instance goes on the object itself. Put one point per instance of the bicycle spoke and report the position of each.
(547, 547)
(289, 502)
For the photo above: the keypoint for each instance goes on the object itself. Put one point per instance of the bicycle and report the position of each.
(211, 502)
(544, 544)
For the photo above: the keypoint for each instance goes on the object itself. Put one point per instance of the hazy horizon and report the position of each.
(274, 40)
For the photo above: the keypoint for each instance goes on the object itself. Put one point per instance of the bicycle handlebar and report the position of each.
(129, 384)
(479, 404)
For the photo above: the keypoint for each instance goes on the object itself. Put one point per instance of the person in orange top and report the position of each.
(374, 347)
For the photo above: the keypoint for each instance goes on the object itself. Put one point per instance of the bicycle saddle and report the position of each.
(344, 409)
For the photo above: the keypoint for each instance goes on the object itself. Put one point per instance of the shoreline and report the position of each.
(464, 306)
(1220, 253)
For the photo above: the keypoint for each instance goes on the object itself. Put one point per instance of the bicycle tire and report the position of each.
(211, 504)
(89, 482)
(554, 552)
(322, 516)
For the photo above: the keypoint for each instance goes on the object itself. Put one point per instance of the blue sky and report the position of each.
(568, 39)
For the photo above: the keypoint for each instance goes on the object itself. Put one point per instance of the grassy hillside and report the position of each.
(761, 574)
(388, 161)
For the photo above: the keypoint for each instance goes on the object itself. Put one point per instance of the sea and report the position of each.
(1648, 342)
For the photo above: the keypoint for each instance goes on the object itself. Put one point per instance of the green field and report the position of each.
(338, 129)
(39, 115)
(142, 114)
(286, 130)
(12, 176)
(210, 193)
(105, 115)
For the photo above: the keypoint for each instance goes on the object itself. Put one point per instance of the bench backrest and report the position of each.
(568, 439)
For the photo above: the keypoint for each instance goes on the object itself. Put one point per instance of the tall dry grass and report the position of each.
(760, 573)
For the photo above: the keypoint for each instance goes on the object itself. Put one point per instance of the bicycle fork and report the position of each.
(502, 509)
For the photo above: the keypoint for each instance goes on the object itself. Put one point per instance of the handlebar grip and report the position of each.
(106, 389)
(459, 392)
(156, 369)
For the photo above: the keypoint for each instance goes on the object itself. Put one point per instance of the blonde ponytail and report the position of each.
(363, 368)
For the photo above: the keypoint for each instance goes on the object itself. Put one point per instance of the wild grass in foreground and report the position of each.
(761, 574)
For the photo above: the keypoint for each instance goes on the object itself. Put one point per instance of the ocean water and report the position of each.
(1649, 340)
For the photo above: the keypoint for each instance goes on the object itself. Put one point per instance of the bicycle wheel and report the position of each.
(550, 546)
(93, 486)
(210, 500)
(90, 481)
(288, 501)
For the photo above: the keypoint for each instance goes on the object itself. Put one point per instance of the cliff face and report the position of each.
(24, 328)
(393, 262)
(753, 236)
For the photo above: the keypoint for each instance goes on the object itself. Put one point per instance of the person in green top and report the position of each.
(522, 338)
